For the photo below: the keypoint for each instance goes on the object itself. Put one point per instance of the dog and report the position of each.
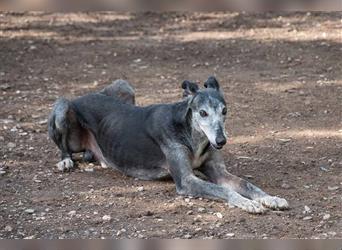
(157, 141)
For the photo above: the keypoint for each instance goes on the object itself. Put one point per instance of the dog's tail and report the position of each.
(57, 123)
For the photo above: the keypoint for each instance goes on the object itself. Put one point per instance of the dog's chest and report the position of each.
(201, 154)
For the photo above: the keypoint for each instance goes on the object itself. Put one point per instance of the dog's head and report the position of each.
(208, 110)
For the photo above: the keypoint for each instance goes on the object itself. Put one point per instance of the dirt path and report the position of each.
(282, 78)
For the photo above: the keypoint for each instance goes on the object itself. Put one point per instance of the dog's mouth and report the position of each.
(216, 146)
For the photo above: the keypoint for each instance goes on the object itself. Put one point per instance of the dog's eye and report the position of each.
(203, 113)
(224, 111)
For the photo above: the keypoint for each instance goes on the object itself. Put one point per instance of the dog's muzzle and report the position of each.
(220, 142)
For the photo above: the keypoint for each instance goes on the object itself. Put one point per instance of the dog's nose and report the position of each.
(221, 140)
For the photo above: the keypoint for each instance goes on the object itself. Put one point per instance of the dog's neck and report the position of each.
(198, 138)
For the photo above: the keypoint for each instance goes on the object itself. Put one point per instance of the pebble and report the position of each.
(187, 236)
(11, 145)
(89, 170)
(285, 186)
(140, 189)
(106, 218)
(219, 215)
(307, 210)
(334, 188)
(121, 231)
(30, 237)
(324, 169)
(326, 216)
(72, 213)
(8, 228)
(43, 122)
(230, 234)
(201, 209)
(5, 86)
(307, 218)
(29, 211)
(333, 234)
(198, 218)
(2, 172)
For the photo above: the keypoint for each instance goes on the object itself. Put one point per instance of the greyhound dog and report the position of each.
(157, 141)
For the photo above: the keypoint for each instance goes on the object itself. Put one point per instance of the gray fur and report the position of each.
(159, 140)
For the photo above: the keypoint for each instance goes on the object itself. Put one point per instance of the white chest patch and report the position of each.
(199, 157)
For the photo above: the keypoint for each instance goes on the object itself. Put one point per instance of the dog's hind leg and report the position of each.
(121, 89)
(215, 169)
(65, 131)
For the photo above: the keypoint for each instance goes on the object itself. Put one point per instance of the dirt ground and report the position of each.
(282, 77)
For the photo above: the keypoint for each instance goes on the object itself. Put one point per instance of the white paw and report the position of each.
(273, 202)
(65, 165)
(103, 164)
(251, 206)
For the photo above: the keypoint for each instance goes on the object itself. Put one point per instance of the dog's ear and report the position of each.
(190, 88)
(212, 83)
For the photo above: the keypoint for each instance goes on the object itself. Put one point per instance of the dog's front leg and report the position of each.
(215, 169)
(188, 184)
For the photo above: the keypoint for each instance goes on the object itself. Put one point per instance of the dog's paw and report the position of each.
(273, 202)
(252, 207)
(65, 165)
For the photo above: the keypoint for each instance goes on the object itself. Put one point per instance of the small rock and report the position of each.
(29, 211)
(333, 234)
(334, 188)
(219, 215)
(201, 209)
(140, 189)
(307, 218)
(30, 237)
(106, 218)
(323, 168)
(8, 228)
(307, 210)
(11, 145)
(198, 218)
(230, 234)
(326, 216)
(5, 86)
(284, 140)
(187, 200)
(187, 236)
(43, 122)
(121, 231)
(198, 229)
(89, 170)
(285, 186)
(72, 213)
(2, 172)
(190, 212)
